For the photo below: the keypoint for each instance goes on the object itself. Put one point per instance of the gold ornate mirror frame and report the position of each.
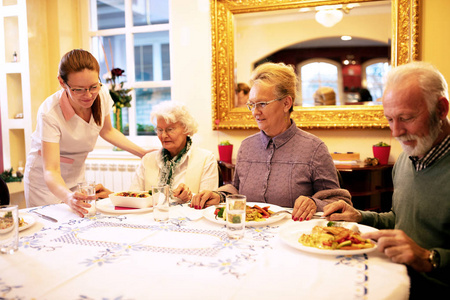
(404, 44)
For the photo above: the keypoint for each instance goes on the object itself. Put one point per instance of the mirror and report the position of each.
(225, 69)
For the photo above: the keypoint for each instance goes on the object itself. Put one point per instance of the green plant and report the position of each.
(224, 143)
(381, 144)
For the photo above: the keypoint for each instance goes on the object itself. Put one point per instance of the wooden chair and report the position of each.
(4, 193)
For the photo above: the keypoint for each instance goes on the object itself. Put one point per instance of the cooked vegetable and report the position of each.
(330, 237)
(255, 213)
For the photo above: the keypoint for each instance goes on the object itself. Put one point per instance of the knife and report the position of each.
(45, 217)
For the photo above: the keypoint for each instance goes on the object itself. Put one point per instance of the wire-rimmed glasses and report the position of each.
(251, 106)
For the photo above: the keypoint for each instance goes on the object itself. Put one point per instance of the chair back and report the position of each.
(4, 192)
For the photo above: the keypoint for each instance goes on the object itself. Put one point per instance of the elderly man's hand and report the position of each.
(205, 199)
(304, 209)
(341, 211)
(401, 249)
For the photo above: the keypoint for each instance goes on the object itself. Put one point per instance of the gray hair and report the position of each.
(431, 82)
(280, 75)
(173, 112)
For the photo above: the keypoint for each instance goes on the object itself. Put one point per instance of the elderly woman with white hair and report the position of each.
(185, 168)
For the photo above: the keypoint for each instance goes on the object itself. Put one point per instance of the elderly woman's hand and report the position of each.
(205, 199)
(182, 192)
(304, 209)
(101, 192)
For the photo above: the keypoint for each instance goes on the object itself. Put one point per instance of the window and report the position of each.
(133, 35)
(317, 73)
(374, 73)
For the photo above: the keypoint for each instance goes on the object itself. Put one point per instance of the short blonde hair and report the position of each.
(280, 75)
(173, 112)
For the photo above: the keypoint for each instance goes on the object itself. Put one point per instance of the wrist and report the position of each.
(222, 196)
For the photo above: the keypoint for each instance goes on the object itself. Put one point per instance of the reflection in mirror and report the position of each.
(228, 69)
(349, 57)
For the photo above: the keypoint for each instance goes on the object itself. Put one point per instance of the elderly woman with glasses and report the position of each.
(282, 164)
(185, 168)
(68, 125)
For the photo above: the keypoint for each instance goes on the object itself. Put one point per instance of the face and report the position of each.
(171, 135)
(273, 119)
(85, 79)
(409, 119)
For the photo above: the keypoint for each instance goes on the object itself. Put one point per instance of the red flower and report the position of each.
(117, 72)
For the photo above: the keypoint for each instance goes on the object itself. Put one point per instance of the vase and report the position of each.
(382, 153)
(226, 153)
(118, 118)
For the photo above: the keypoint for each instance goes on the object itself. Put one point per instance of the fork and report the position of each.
(280, 212)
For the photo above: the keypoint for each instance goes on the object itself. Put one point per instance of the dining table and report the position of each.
(121, 253)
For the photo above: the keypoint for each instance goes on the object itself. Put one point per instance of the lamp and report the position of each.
(329, 17)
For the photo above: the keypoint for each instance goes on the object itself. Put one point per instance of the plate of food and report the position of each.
(26, 221)
(126, 203)
(257, 214)
(328, 238)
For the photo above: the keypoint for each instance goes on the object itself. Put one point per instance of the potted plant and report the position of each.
(381, 151)
(225, 151)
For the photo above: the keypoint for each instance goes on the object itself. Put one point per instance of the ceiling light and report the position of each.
(329, 17)
(346, 38)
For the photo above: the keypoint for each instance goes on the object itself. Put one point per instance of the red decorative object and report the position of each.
(226, 153)
(382, 153)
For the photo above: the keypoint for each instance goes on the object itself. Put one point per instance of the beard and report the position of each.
(424, 143)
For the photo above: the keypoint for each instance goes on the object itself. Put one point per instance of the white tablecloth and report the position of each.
(130, 256)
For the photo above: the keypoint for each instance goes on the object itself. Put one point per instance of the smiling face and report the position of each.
(409, 119)
(84, 80)
(171, 135)
(273, 119)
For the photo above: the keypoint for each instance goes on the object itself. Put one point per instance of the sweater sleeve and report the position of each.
(378, 220)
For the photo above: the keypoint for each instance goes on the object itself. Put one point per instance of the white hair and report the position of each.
(431, 82)
(173, 112)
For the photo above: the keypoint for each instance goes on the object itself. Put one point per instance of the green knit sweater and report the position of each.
(421, 208)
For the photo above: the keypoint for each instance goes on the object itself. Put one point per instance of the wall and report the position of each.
(191, 65)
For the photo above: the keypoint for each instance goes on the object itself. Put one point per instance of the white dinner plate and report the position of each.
(105, 205)
(208, 213)
(290, 233)
(28, 219)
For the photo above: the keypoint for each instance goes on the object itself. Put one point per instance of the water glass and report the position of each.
(160, 196)
(235, 215)
(9, 229)
(88, 188)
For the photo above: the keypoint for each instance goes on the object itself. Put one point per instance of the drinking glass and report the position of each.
(160, 196)
(235, 214)
(9, 229)
(88, 188)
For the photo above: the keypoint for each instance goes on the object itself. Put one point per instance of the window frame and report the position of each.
(128, 31)
(339, 92)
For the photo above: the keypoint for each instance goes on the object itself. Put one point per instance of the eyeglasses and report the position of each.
(79, 91)
(169, 131)
(251, 106)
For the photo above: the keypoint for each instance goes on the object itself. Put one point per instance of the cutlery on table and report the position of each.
(45, 217)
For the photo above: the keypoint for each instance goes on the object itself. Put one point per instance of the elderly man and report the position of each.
(416, 232)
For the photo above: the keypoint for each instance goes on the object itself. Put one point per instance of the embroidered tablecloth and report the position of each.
(130, 256)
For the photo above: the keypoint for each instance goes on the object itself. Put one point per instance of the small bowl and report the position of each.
(132, 201)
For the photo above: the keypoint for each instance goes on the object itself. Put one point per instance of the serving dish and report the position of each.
(132, 201)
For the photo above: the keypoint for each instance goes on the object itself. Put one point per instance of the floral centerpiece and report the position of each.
(120, 95)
